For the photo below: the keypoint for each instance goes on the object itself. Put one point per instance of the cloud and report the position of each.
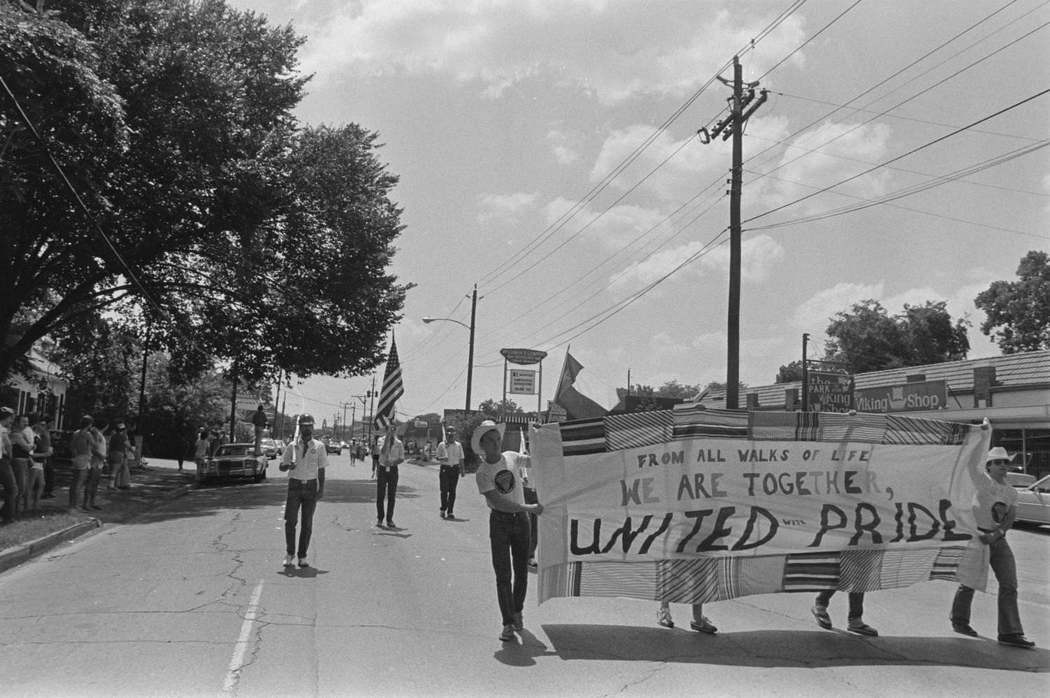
(615, 50)
(564, 153)
(824, 156)
(503, 208)
(814, 314)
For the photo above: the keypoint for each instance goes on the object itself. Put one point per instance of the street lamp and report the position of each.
(470, 328)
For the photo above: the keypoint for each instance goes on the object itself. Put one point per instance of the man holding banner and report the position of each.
(499, 480)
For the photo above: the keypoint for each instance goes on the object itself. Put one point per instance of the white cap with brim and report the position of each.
(998, 453)
(485, 426)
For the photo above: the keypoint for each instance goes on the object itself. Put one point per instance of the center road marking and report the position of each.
(239, 650)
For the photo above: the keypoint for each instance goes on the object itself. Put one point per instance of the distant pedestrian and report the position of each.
(99, 448)
(22, 441)
(44, 453)
(450, 456)
(259, 422)
(7, 474)
(305, 459)
(499, 481)
(81, 444)
(995, 508)
(119, 458)
(391, 455)
(201, 450)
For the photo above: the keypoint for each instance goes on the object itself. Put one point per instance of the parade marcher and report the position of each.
(391, 455)
(22, 441)
(855, 622)
(81, 445)
(259, 422)
(499, 481)
(994, 507)
(44, 452)
(450, 456)
(700, 622)
(7, 473)
(305, 460)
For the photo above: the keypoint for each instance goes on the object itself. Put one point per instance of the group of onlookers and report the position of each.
(27, 472)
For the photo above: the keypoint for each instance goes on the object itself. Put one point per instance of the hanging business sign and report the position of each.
(524, 357)
(830, 392)
(522, 382)
(930, 395)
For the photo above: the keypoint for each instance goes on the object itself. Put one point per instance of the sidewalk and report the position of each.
(54, 523)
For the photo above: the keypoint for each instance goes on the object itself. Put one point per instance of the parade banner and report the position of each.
(694, 505)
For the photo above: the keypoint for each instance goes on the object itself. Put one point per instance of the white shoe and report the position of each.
(288, 561)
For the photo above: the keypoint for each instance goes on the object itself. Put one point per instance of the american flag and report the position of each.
(393, 388)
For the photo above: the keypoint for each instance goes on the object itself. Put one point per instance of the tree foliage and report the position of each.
(239, 234)
(494, 408)
(1017, 313)
(869, 339)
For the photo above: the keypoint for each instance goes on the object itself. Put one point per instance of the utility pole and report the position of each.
(470, 353)
(371, 408)
(805, 373)
(733, 126)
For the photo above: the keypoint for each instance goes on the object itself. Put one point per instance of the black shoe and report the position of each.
(390, 523)
(964, 629)
(379, 523)
(303, 564)
(1016, 640)
(442, 513)
(450, 515)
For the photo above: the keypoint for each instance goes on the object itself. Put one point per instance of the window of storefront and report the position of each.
(1031, 445)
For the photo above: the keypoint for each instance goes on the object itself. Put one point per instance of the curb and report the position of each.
(14, 556)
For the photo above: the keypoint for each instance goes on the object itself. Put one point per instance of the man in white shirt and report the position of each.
(305, 459)
(391, 455)
(450, 456)
(994, 507)
(499, 480)
(7, 473)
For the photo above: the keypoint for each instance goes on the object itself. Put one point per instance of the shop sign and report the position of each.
(908, 397)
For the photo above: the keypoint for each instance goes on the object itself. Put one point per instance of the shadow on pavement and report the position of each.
(786, 648)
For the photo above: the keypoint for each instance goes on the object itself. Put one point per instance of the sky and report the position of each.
(547, 152)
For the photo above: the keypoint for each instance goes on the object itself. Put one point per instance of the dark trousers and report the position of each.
(448, 479)
(1005, 568)
(386, 489)
(509, 539)
(856, 602)
(49, 477)
(7, 481)
(302, 496)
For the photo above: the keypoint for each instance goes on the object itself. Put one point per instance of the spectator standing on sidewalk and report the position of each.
(35, 474)
(81, 444)
(7, 473)
(117, 455)
(499, 481)
(201, 449)
(391, 455)
(450, 456)
(259, 422)
(22, 440)
(98, 462)
(305, 460)
(44, 453)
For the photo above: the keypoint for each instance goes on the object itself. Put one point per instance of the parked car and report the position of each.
(333, 446)
(1019, 479)
(233, 460)
(1033, 502)
(269, 448)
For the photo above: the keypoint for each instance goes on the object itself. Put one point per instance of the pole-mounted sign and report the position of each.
(520, 381)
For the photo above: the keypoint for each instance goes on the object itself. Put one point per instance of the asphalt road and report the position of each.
(192, 600)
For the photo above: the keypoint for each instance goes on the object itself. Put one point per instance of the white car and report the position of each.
(1033, 502)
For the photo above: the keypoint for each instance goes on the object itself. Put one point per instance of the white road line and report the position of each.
(237, 660)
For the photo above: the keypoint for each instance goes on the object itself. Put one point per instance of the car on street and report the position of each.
(1019, 479)
(269, 448)
(236, 460)
(1033, 502)
(333, 446)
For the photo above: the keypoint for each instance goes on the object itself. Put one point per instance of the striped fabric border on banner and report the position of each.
(811, 571)
(912, 430)
(583, 436)
(697, 421)
(638, 429)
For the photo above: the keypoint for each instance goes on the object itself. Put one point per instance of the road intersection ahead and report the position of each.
(191, 599)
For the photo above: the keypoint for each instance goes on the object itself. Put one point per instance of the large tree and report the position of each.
(240, 235)
(868, 339)
(1018, 312)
